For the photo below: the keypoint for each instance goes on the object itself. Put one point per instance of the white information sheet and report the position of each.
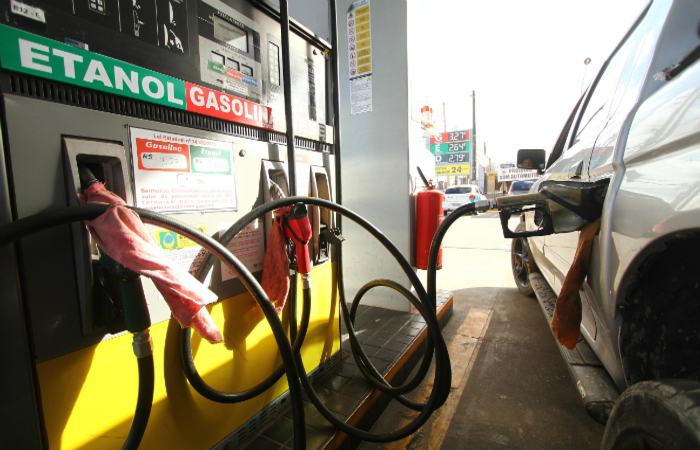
(248, 246)
(175, 173)
(361, 95)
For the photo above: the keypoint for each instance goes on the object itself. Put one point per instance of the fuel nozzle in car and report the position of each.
(298, 229)
(559, 207)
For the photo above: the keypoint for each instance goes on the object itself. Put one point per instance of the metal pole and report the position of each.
(473, 152)
(287, 74)
(444, 117)
(336, 108)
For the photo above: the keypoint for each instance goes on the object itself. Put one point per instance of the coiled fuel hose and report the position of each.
(292, 364)
(38, 222)
(424, 302)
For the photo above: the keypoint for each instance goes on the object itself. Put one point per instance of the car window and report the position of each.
(461, 190)
(597, 109)
(627, 91)
(523, 185)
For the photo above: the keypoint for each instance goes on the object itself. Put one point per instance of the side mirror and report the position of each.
(532, 159)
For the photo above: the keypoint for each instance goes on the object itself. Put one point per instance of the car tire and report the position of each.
(522, 263)
(655, 415)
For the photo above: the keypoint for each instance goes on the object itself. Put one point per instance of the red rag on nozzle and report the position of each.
(275, 277)
(120, 233)
(289, 222)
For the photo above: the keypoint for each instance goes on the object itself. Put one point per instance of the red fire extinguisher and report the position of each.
(429, 215)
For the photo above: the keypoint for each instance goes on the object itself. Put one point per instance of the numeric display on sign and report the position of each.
(457, 147)
(458, 136)
(452, 158)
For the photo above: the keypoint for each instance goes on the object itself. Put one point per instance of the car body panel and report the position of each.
(644, 138)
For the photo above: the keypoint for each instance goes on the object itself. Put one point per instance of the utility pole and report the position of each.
(472, 158)
(444, 118)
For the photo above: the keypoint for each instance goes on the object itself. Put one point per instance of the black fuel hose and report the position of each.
(214, 395)
(143, 404)
(424, 303)
(38, 222)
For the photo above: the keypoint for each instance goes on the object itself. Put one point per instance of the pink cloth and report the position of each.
(120, 233)
(275, 278)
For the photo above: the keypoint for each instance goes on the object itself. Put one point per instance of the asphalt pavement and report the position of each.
(511, 388)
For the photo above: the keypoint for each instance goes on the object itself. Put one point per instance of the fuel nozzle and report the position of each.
(87, 178)
(298, 228)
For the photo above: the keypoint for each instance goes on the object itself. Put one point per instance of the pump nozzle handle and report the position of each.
(425, 180)
(87, 178)
(298, 228)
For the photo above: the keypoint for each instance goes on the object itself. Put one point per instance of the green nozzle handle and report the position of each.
(133, 301)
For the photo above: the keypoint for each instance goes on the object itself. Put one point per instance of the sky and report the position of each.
(523, 59)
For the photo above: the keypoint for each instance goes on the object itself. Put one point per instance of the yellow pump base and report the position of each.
(89, 396)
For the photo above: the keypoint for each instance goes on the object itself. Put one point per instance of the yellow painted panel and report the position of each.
(362, 10)
(362, 27)
(89, 396)
(365, 69)
(362, 19)
(364, 52)
(364, 44)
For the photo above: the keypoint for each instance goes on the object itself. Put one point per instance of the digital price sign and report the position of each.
(451, 141)
(450, 147)
(452, 158)
(451, 136)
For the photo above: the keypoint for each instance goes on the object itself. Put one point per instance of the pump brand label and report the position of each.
(217, 104)
(27, 53)
(41, 57)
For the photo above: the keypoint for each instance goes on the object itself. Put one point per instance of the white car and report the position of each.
(461, 194)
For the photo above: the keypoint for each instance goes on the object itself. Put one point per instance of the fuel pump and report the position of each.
(178, 107)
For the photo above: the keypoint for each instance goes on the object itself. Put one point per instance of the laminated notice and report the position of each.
(361, 95)
(175, 173)
(248, 246)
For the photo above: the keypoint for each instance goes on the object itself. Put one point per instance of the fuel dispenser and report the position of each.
(183, 109)
(177, 106)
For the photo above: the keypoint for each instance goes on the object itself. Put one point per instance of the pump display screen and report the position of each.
(230, 33)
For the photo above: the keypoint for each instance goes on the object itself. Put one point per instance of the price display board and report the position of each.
(450, 147)
(452, 158)
(452, 136)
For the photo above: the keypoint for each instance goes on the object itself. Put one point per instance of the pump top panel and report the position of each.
(208, 57)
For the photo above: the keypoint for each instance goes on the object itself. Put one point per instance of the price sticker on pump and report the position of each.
(176, 173)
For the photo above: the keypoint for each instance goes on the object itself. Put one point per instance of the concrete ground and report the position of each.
(511, 389)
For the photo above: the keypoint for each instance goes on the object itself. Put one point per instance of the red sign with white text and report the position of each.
(212, 103)
(162, 156)
(451, 136)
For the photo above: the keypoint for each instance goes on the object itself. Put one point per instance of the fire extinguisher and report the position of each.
(429, 215)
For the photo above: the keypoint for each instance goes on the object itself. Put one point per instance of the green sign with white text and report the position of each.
(38, 56)
(445, 148)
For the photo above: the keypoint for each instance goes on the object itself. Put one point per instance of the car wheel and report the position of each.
(522, 263)
(655, 415)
